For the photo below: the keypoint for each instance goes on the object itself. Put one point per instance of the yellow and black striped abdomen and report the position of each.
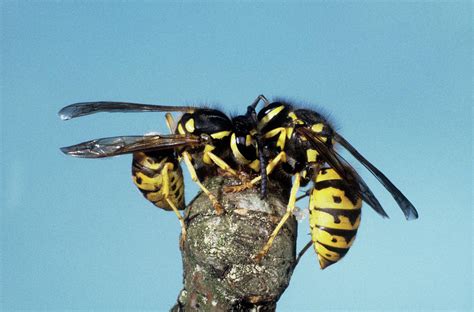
(159, 177)
(335, 211)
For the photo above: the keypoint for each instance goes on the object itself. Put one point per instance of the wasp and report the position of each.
(200, 138)
(301, 143)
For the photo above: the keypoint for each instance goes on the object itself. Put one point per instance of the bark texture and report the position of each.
(220, 273)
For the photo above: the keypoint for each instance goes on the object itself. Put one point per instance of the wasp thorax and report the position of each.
(314, 121)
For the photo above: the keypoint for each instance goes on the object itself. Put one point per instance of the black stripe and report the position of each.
(156, 190)
(351, 214)
(248, 152)
(207, 121)
(347, 234)
(151, 173)
(279, 120)
(350, 193)
(330, 262)
(341, 251)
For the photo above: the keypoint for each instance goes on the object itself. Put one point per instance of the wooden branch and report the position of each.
(220, 273)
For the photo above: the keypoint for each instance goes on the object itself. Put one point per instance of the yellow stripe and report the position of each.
(303, 173)
(317, 127)
(323, 262)
(324, 252)
(220, 135)
(150, 163)
(190, 125)
(147, 183)
(292, 115)
(328, 174)
(311, 155)
(272, 133)
(282, 139)
(325, 199)
(269, 116)
(180, 129)
(205, 158)
(157, 198)
(328, 239)
(281, 132)
(248, 140)
(255, 165)
(235, 151)
(324, 219)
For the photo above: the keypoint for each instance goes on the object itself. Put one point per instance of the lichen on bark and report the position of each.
(219, 271)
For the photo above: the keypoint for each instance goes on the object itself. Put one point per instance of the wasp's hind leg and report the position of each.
(215, 203)
(289, 211)
(166, 195)
(160, 179)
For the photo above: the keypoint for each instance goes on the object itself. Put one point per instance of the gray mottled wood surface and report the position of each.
(220, 273)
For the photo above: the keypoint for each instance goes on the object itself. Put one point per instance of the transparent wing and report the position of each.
(344, 169)
(87, 108)
(405, 205)
(108, 147)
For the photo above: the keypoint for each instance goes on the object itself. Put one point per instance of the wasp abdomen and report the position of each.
(159, 177)
(335, 210)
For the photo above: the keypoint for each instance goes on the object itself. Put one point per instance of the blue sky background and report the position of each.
(396, 78)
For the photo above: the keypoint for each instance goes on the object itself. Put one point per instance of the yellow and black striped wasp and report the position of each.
(200, 138)
(301, 143)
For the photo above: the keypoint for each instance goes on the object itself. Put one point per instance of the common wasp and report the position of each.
(301, 143)
(200, 138)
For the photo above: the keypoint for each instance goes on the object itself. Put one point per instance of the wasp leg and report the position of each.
(252, 114)
(281, 133)
(312, 167)
(263, 170)
(302, 252)
(289, 211)
(222, 164)
(181, 221)
(281, 157)
(306, 193)
(170, 122)
(210, 158)
(187, 160)
(166, 192)
(171, 126)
